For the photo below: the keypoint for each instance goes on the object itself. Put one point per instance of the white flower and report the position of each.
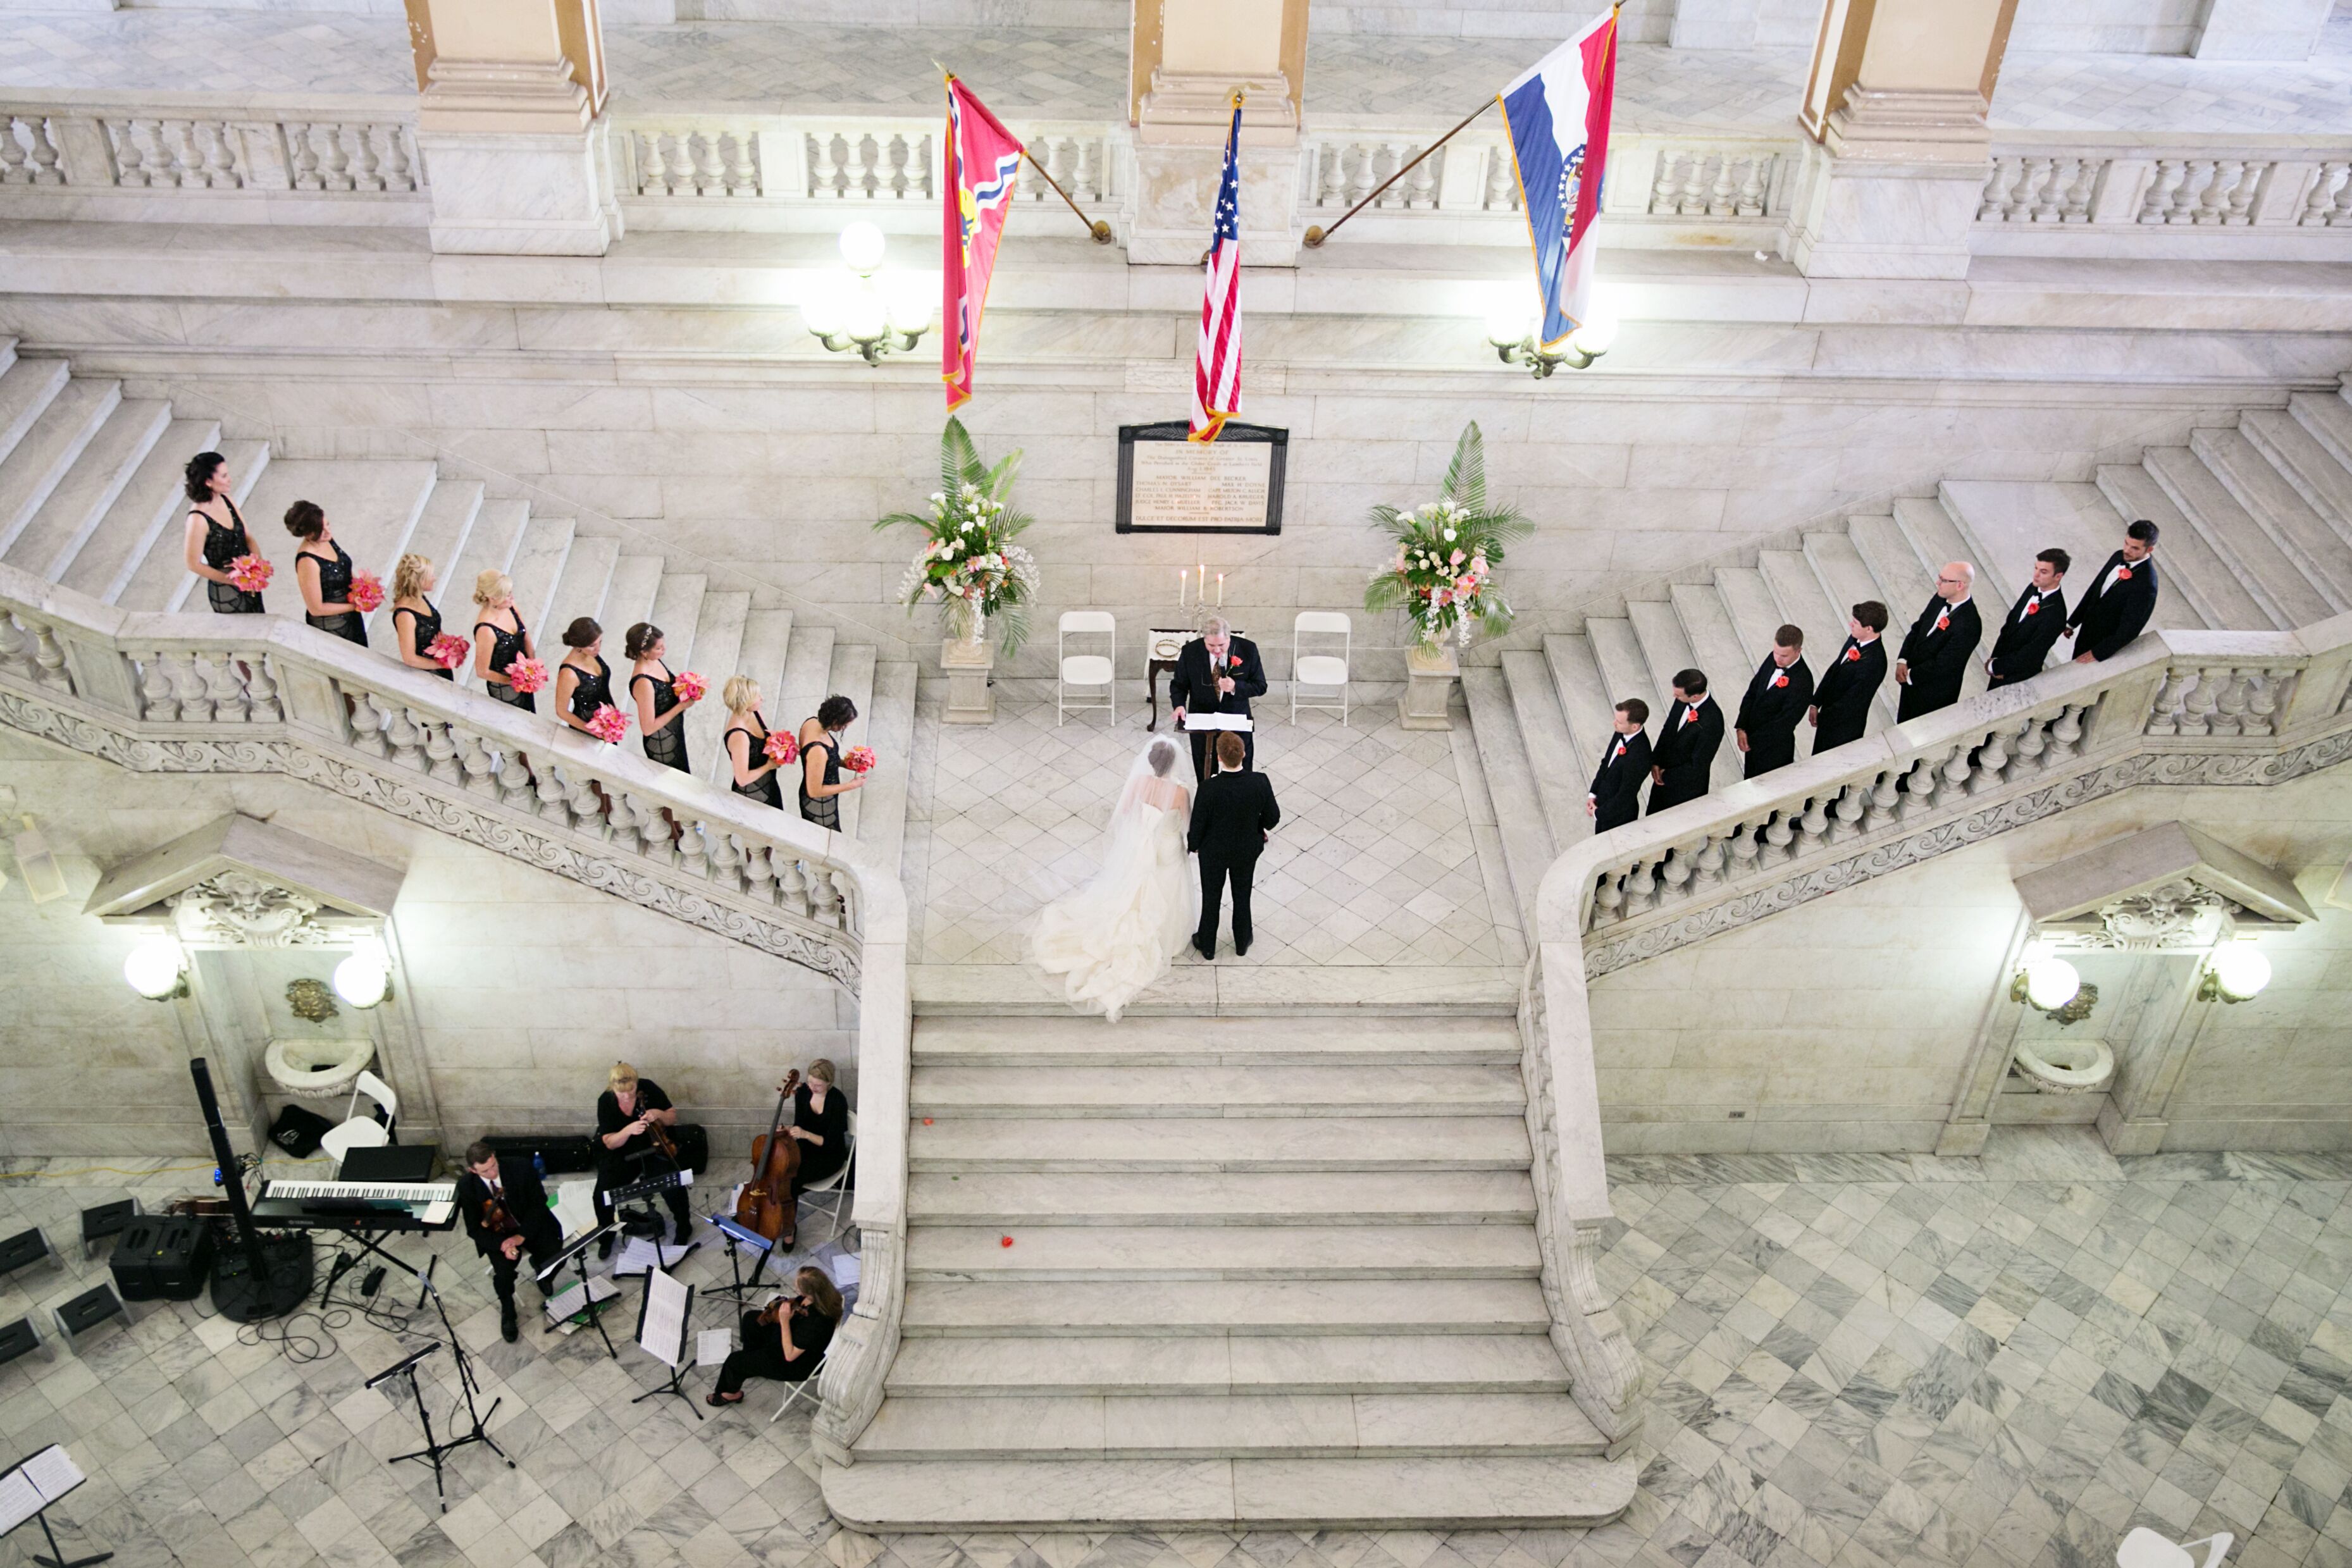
(1449, 536)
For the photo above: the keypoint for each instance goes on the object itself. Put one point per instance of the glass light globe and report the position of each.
(821, 308)
(861, 246)
(152, 967)
(362, 979)
(1507, 326)
(2241, 972)
(862, 315)
(2050, 983)
(1598, 334)
(910, 300)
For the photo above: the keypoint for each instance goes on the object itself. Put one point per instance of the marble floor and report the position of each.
(1858, 1360)
(1083, 72)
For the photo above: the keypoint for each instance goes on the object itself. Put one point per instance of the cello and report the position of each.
(766, 1205)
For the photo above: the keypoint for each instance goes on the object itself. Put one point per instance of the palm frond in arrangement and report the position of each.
(1443, 575)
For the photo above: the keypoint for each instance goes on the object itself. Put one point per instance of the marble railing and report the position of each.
(253, 695)
(2175, 708)
(2119, 194)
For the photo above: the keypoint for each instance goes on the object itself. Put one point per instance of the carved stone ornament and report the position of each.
(311, 1000)
(2177, 914)
(238, 910)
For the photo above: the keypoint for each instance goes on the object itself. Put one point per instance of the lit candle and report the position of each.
(1183, 577)
(1221, 590)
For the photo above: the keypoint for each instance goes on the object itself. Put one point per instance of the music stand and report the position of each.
(434, 1449)
(742, 1236)
(633, 1202)
(574, 1254)
(676, 1304)
(29, 1485)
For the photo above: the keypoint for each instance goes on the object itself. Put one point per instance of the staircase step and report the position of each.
(678, 608)
(1226, 1197)
(1846, 578)
(580, 588)
(537, 567)
(1624, 669)
(439, 537)
(2017, 521)
(717, 641)
(1528, 847)
(949, 1309)
(1478, 1493)
(882, 804)
(852, 677)
(2183, 554)
(1217, 1144)
(760, 656)
(807, 678)
(1805, 600)
(1248, 1364)
(1223, 1253)
(2239, 541)
(1668, 647)
(39, 462)
(1903, 581)
(1256, 1090)
(1755, 612)
(1560, 774)
(99, 476)
(160, 573)
(2302, 535)
(2308, 464)
(150, 509)
(27, 387)
(1935, 537)
(1714, 645)
(1155, 1426)
(636, 579)
(490, 546)
(1208, 1041)
(1587, 706)
(2328, 417)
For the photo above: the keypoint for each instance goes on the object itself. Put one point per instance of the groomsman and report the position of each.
(1841, 710)
(2121, 598)
(1615, 797)
(2034, 623)
(1778, 696)
(1686, 744)
(1934, 657)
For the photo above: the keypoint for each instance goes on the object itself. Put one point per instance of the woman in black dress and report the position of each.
(584, 682)
(820, 1125)
(788, 1349)
(324, 572)
(746, 741)
(412, 639)
(216, 535)
(661, 712)
(821, 785)
(500, 638)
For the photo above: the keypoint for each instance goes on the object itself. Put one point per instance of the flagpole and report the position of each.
(1316, 235)
(1095, 226)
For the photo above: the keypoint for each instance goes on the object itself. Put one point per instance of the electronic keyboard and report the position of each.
(357, 1205)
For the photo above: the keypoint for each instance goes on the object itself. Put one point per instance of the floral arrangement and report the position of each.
(1443, 574)
(367, 595)
(249, 574)
(449, 650)
(970, 566)
(690, 686)
(858, 759)
(781, 748)
(608, 724)
(526, 676)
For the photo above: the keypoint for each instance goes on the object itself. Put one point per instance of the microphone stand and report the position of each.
(479, 1431)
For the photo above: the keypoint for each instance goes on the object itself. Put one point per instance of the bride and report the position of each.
(1114, 937)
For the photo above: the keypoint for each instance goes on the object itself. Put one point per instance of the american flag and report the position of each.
(1217, 368)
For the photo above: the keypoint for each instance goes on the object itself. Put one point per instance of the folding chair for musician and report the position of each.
(806, 1386)
(837, 1184)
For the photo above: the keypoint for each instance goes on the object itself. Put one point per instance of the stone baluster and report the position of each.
(367, 167)
(2339, 211)
(2270, 695)
(480, 763)
(371, 715)
(49, 659)
(1707, 864)
(1743, 848)
(1641, 888)
(15, 168)
(1677, 871)
(16, 649)
(1608, 902)
(858, 166)
(1692, 199)
(157, 700)
(553, 794)
(2313, 212)
(223, 687)
(1502, 190)
(645, 146)
(2213, 202)
(1847, 813)
(853, 910)
(741, 167)
(1422, 182)
(335, 164)
(825, 171)
(1090, 174)
(301, 137)
(1919, 788)
(440, 749)
(127, 159)
(2196, 178)
(759, 873)
(791, 882)
(156, 161)
(1779, 840)
(404, 737)
(709, 166)
(1956, 771)
(2066, 734)
(1362, 163)
(1983, 771)
(1885, 802)
(2242, 194)
(188, 683)
(220, 164)
(1813, 826)
(183, 165)
(2037, 195)
(2033, 740)
(1755, 185)
(694, 848)
(2196, 707)
(1999, 190)
(42, 134)
(1719, 203)
(2082, 178)
(400, 168)
(1330, 175)
(677, 165)
(584, 800)
(727, 860)
(919, 164)
(840, 900)
(2164, 715)
(2230, 701)
(2169, 173)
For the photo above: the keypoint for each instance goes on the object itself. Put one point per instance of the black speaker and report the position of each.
(184, 1257)
(242, 1297)
(560, 1154)
(133, 1262)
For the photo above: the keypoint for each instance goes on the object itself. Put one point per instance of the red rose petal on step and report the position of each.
(927, 1121)
(1005, 1241)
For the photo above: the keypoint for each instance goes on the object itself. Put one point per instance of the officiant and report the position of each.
(1216, 672)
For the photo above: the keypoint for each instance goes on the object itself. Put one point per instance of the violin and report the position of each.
(663, 1142)
(783, 1307)
(766, 1205)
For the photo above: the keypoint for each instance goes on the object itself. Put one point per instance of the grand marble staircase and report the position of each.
(1223, 1273)
(91, 497)
(2256, 524)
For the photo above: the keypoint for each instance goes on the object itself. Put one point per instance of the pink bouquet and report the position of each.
(608, 724)
(781, 748)
(858, 759)
(249, 574)
(526, 676)
(367, 595)
(690, 686)
(449, 650)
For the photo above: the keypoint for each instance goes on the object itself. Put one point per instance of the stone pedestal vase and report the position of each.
(968, 662)
(1429, 673)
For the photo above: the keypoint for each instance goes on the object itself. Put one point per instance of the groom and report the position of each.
(1231, 815)
(1216, 672)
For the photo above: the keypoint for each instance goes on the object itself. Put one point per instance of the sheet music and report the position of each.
(840, 1265)
(52, 1472)
(575, 1299)
(575, 1205)
(638, 1254)
(661, 1333)
(1216, 721)
(712, 1346)
(20, 1499)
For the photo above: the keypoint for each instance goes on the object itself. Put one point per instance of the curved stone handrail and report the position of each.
(2175, 708)
(207, 694)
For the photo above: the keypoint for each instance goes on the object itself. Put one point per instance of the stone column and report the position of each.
(1189, 56)
(516, 152)
(1895, 106)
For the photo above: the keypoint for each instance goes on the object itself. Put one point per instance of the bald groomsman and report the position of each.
(1615, 797)
(1778, 696)
(1933, 658)
(2120, 600)
(2034, 623)
(1842, 701)
(1687, 743)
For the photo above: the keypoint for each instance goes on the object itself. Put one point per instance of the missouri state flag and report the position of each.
(1557, 118)
(983, 161)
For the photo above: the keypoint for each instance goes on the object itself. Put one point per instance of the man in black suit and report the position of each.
(1232, 813)
(1778, 696)
(1840, 709)
(507, 1215)
(1615, 797)
(2121, 598)
(1686, 744)
(1216, 672)
(1933, 658)
(2034, 623)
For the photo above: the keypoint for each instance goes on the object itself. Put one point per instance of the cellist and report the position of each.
(627, 1114)
(820, 1125)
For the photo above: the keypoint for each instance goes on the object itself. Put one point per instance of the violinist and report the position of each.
(785, 1341)
(820, 1125)
(507, 1215)
(633, 1119)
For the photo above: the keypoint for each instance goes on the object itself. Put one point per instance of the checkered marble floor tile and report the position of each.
(1373, 862)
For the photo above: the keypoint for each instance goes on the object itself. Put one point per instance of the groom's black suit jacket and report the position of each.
(1232, 814)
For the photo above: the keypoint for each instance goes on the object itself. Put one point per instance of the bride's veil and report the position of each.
(1162, 766)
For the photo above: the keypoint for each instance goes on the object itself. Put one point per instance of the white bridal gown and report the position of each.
(1113, 937)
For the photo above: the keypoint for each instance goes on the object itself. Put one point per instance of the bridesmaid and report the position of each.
(216, 535)
(325, 574)
(411, 579)
(500, 638)
(661, 712)
(821, 785)
(584, 682)
(746, 740)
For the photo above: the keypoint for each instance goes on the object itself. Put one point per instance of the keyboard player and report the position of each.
(507, 1215)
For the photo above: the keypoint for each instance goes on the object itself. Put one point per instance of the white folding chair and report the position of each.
(1322, 669)
(2143, 1548)
(357, 1130)
(1087, 670)
(833, 1184)
(806, 1386)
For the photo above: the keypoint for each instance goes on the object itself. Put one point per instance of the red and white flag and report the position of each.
(982, 160)
(1217, 368)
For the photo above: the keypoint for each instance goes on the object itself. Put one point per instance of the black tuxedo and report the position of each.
(525, 1202)
(1686, 749)
(2026, 639)
(1232, 813)
(1617, 788)
(1938, 658)
(1768, 715)
(2108, 618)
(1844, 693)
(1192, 686)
